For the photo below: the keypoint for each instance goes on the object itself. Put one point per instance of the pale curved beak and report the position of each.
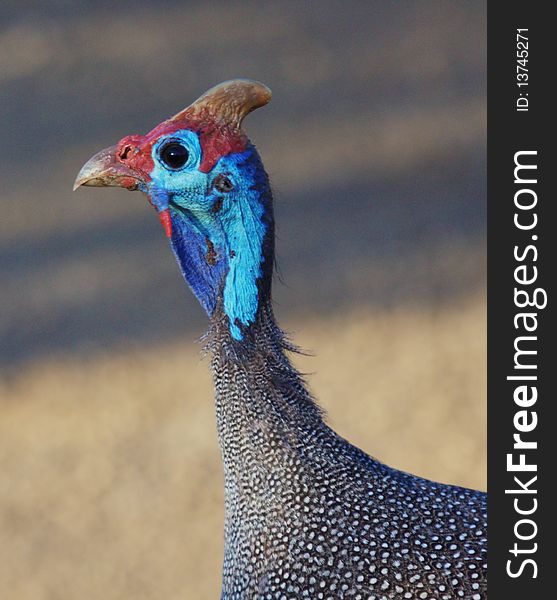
(104, 169)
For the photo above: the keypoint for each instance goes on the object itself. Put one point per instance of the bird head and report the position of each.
(207, 183)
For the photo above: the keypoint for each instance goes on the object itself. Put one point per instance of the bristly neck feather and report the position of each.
(258, 390)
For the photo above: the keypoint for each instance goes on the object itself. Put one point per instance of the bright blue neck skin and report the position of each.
(222, 228)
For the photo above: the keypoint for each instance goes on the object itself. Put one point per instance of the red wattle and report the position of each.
(166, 222)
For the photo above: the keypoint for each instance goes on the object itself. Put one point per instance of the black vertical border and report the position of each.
(510, 131)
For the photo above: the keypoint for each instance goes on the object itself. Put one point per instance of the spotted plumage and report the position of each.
(307, 515)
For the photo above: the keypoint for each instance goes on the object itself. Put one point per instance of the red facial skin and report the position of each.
(217, 139)
(166, 222)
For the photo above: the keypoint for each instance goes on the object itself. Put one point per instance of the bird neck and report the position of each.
(265, 415)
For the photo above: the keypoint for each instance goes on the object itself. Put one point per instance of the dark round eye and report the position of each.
(174, 155)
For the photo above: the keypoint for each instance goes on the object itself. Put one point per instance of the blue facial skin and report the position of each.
(218, 231)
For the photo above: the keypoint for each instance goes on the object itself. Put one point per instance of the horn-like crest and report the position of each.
(229, 101)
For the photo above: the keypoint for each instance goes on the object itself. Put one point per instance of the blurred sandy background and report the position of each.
(110, 476)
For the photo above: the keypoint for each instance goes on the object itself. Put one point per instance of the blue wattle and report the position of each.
(245, 232)
(189, 244)
(222, 250)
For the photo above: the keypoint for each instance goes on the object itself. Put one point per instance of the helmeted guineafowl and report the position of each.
(307, 515)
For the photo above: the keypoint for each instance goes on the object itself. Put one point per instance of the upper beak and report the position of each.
(104, 169)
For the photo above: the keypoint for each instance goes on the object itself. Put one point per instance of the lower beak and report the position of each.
(104, 169)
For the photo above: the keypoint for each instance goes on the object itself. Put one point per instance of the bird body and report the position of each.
(307, 515)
